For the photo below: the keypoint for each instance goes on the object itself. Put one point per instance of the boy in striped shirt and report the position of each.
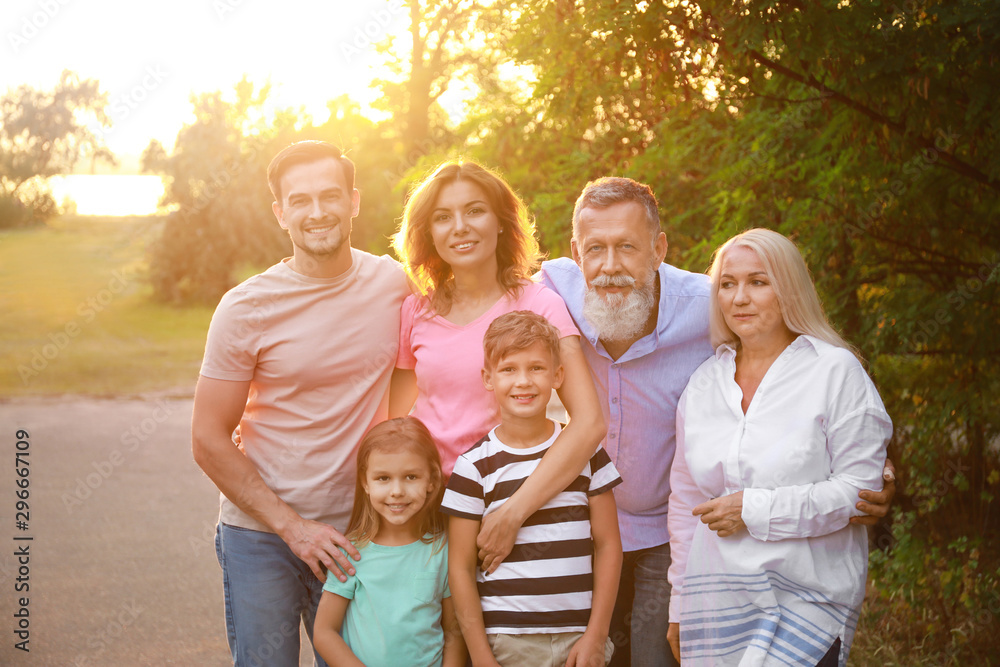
(550, 601)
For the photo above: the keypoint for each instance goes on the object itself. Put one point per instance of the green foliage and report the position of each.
(44, 133)
(866, 132)
(216, 182)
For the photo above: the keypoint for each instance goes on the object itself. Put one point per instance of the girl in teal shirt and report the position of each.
(397, 609)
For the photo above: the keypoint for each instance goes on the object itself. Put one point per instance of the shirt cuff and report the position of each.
(756, 512)
(674, 608)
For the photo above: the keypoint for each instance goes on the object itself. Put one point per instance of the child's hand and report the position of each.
(588, 651)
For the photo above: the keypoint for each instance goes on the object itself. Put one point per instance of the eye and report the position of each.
(411, 477)
(726, 284)
(594, 248)
(476, 210)
(440, 217)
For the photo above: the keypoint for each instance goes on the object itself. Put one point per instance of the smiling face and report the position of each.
(464, 228)
(748, 301)
(619, 256)
(398, 484)
(523, 380)
(316, 209)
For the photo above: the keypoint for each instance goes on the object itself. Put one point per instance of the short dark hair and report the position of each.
(303, 152)
(518, 331)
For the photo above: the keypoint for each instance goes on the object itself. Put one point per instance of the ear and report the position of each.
(279, 213)
(576, 252)
(660, 247)
(560, 376)
(355, 203)
(487, 380)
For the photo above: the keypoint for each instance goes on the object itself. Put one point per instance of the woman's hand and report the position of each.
(876, 504)
(723, 515)
(496, 538)
(674, 639)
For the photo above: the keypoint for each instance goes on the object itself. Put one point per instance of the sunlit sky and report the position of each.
(151, 56)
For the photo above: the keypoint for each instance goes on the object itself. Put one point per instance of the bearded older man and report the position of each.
(644, 330)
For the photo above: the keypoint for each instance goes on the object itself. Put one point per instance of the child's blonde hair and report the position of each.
(394, 435)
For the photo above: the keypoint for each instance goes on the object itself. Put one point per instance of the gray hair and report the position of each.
(608, 191)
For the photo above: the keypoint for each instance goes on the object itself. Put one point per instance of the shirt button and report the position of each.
(613, 436)
(614, 400)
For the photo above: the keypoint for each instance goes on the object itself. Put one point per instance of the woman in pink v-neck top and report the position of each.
(468, 244)
(447, 359)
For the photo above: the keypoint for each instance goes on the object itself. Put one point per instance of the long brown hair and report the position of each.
(518, 256)
(394, 435)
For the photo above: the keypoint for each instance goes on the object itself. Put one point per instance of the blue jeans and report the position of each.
(641, 616)
(268, 591)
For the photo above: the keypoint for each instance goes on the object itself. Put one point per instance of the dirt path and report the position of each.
(121, 564)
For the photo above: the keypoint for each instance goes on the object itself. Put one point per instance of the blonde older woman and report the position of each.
(776, 435)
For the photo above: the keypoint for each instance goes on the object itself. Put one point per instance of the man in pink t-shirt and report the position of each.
(300, 358)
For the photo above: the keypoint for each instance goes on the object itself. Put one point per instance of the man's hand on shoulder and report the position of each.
(316, 545)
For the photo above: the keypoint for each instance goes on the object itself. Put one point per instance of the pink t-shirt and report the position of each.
(318, 354)
(448, 360)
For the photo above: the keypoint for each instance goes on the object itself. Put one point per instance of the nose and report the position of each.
(612, 262)
(460, 225)
(741, 297)
(316, 210)
(396, 488)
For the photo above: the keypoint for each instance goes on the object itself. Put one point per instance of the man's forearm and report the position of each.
(241, 483)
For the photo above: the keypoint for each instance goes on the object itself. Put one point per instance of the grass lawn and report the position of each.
(78, 318)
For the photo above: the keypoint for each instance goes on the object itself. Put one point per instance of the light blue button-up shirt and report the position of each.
(639, 391)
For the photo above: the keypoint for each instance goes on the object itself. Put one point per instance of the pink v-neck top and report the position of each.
(448, 360)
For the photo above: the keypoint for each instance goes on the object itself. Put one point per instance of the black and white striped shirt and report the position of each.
(546, 583)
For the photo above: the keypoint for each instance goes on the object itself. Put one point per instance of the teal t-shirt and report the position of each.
(394, 617)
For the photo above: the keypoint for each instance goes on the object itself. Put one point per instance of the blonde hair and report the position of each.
(516, 331)
(792, 284)
(518, 256)
(394, 435)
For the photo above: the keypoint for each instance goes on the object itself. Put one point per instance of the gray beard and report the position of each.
(616, 317)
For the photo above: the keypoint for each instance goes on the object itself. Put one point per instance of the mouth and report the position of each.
(319, 230)
(524, 398)
(465, 245)
(398, 507)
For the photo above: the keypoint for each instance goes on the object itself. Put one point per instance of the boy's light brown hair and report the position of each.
(518, 331)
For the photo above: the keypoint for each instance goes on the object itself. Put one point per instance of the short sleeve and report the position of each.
(464, 496)
(344, 589)
(405, 357)
(550, 305)
(603, 474)
(234, 337)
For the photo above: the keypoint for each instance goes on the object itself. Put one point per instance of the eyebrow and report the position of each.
(752, 273)
(324, 191)
(468, 203)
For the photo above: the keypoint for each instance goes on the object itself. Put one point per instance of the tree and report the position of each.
(867, 133)
(222, 227)
(44, 133)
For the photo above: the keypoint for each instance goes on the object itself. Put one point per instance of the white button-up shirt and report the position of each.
(813, 436)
